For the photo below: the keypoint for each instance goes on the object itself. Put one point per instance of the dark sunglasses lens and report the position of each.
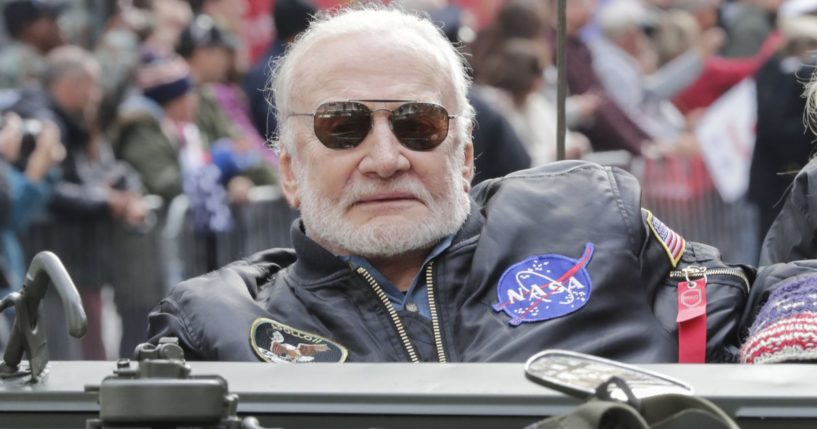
(420, 126)
(342, 125)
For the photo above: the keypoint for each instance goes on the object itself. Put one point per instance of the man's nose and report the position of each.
(384, 157)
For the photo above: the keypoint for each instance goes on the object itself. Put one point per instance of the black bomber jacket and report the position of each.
(561, 256)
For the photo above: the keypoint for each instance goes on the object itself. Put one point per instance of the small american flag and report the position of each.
(672, 242)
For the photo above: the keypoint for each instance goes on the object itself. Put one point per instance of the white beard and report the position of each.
(324, 220)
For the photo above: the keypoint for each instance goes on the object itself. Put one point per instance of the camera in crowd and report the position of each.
(30, 130)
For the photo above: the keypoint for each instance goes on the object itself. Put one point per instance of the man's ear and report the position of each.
(289, 180)
(468, 165)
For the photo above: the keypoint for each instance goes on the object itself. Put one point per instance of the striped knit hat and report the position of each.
(164, 78)
(785, 329)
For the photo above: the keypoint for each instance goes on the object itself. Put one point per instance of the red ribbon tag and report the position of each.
(692, 321)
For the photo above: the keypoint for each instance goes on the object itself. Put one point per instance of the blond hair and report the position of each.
(810, 94)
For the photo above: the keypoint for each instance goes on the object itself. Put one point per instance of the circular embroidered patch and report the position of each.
(278, 343)
(544, 287)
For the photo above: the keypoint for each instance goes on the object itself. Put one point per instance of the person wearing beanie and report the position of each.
(146, 134)
(291, 18)
(785, 329)
(156, 133)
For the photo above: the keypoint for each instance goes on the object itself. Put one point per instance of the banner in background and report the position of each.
(726, 134)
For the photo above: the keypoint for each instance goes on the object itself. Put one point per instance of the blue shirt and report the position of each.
(416, 297)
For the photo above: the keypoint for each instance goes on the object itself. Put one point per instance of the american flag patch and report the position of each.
(672, 242)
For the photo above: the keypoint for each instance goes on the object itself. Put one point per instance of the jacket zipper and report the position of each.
(435, 322)
(401, 331)
(698, 271)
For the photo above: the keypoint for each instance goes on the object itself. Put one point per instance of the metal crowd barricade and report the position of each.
(680, 192)
(102, 252)
(264, 222)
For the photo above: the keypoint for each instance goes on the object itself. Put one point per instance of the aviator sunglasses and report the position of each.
(345, 124)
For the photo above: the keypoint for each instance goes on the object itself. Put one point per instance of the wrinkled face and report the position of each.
(378, 199)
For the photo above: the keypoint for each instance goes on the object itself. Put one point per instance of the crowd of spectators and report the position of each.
(165, 102)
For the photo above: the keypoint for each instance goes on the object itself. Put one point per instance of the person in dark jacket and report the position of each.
(394, 259)
(793, 234)
(782, 145)
(24, 192)
(96, 193)
(291, 17)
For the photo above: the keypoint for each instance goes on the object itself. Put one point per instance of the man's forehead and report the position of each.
(367, 66)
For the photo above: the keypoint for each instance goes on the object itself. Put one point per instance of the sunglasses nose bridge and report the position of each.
(373, 117)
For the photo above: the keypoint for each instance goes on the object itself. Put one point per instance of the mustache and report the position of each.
(363, 189)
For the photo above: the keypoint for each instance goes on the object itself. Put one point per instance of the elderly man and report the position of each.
(393, 261)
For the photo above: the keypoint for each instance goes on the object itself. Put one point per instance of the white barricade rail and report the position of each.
(262, 223)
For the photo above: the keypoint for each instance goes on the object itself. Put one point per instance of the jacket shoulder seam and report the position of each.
(620, 204)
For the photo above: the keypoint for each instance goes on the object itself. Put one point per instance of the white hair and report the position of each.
(69, 62)
(620, 16)
(811, 103)
(374, 20)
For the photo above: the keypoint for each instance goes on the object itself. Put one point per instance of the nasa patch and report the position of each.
(278, 343)
(544, 287)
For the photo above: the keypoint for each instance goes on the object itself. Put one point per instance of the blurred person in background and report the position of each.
(754, 21)
(526, 19)
(523, 19)
(238, 151)
(719, 73)
(229, 16)
(793, 235)
(627, 65)
(169, 19)
(26, 180)
(706, 12)
(498, 150)
(782, 145)
(673, 33)
(156, 133)
(33, 32)
(291, 17)
(611, 127)
(511, 78)
(117, 50)
(95, 191)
